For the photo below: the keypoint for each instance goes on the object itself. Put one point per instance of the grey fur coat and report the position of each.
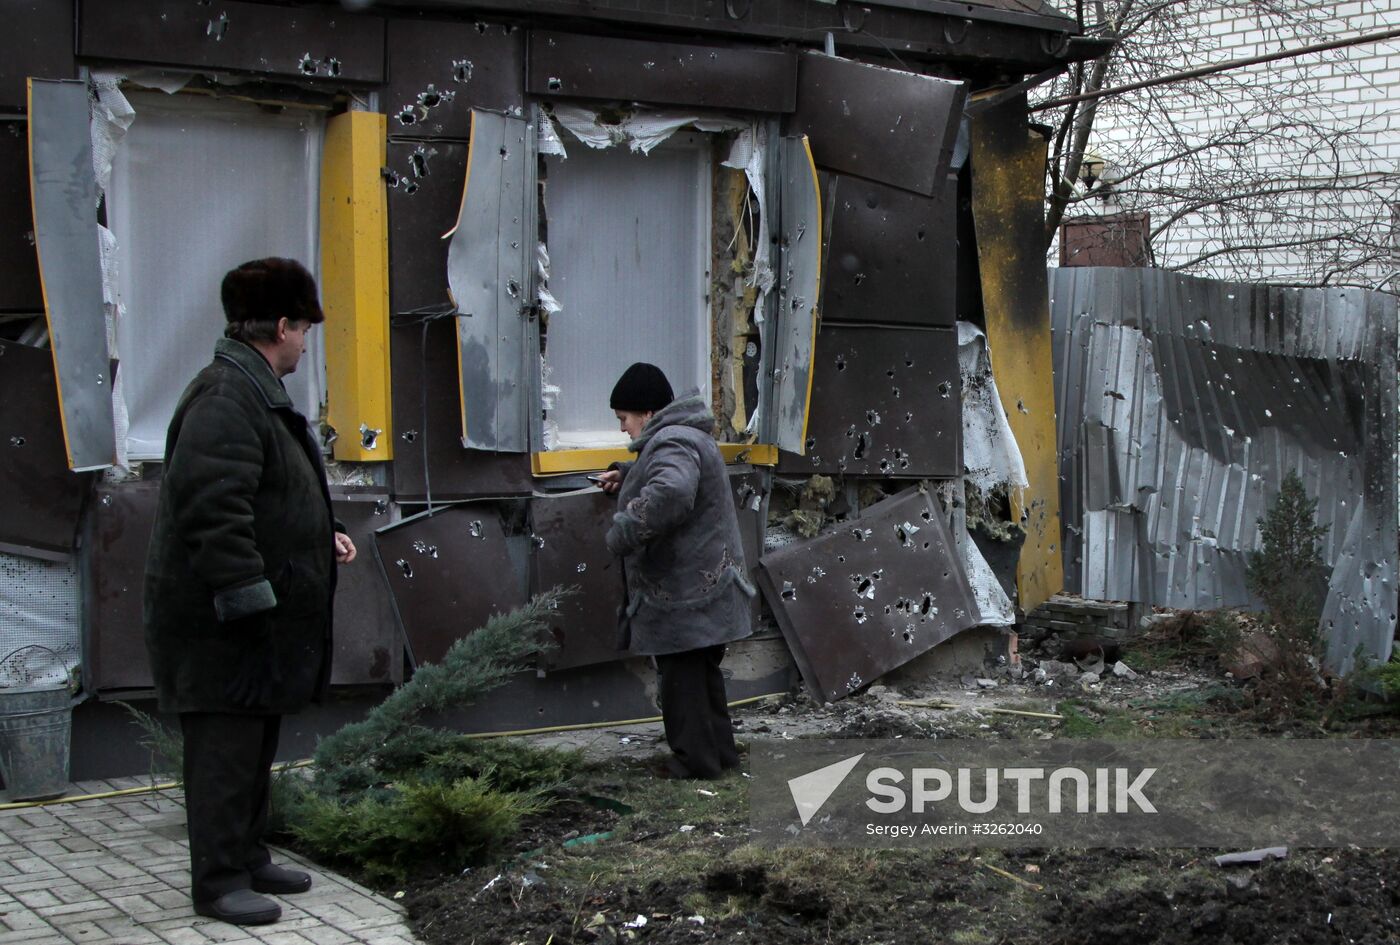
(678, 535)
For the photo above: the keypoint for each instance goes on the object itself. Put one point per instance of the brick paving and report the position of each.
(116, 870)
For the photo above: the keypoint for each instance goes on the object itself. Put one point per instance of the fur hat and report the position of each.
(641, 387)
(269, 289)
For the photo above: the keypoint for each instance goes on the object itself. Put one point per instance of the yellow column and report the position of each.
(355, 286)
(1008, 193)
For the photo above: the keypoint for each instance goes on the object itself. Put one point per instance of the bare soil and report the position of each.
(676, 865)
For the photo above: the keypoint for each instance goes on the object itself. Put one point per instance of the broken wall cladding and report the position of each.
(301, 43)
(1184, 401)
(869, 596)
(439, 70)
(43, 48)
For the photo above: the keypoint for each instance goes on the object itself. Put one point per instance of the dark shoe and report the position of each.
(280, 881)
(241, 907)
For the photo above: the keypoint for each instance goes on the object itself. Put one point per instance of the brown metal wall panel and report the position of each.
(891, 255)
(37, 41)
(19, 265)
(425, 190)
(448, 572)
(43, 499)
(937, 32)
(565, 64)
(885, 402)
(440, 70)
(368, 647)
(897, 128)
(119, 533)
(427, 419)
(858, 602)
(567, 541)
(295, 42)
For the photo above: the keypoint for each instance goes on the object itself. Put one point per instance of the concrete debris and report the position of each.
(1122, 671)
(984, 683)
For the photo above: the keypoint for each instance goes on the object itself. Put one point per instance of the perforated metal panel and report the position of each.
(40, 639)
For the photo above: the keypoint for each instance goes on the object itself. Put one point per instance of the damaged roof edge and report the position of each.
(1028, 35)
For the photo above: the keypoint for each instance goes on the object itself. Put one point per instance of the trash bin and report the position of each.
(36, 721)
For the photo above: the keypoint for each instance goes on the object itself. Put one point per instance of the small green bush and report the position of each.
(412, 827)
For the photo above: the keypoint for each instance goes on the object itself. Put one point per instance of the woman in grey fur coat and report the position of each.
(677, 534)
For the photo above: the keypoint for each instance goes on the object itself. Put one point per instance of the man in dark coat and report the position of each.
(239, 583)
(677, 532)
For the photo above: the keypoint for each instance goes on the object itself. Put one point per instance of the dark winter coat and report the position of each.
(678, 535)
(241, 570)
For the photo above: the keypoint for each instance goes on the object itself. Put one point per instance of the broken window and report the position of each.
(198, 187)
(629, 247)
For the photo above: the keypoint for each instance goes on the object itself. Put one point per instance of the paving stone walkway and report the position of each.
(116, 870)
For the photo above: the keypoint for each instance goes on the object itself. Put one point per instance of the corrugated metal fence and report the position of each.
(1183, 402)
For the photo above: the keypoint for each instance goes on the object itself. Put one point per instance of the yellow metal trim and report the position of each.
(43, 286)
(355, 284)
(1008, 162)
(811, 365)
(559, 462)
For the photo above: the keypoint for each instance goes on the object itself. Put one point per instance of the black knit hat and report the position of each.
(268, 289)
(641, 387)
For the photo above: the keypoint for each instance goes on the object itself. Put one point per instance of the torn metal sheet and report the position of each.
(368, 648)
(799, 261)
(300, 42)
(425, 181)
(439, 70)
(19, 267)
(490, 273)
(894, 127)
(885, 402)
(117, 534)
(448, 571)
(42, 498)
(38, 43)
(891, 255)
(751, 488)
(1185, 401)
(65, 194)
(991, 457)
(994, 607)
(640, 128)
(576, 66)
(567, 550)
(870, 596)
(429, 461)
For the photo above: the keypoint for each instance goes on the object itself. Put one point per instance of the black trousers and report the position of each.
(228, 771)
(695, 711)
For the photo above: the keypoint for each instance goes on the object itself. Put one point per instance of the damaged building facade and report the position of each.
(824, 216)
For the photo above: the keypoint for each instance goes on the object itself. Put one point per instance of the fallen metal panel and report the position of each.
(891, 256)
(490, 276)
(368, 647)
(1183, 404)
(860, 601)
(19, 266)
(425, 185)
(897, 128)
(118, 534)
(64, 190)
(565, 64)
(885, 402)
(301, 42)
(439, 70)
(799, 260)
(428, 453)
(567, 541)
(42, 498)
(39, 43)
(752, 488)
(448, 571)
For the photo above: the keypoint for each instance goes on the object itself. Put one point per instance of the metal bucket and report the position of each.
(35, 724)
(34, 736)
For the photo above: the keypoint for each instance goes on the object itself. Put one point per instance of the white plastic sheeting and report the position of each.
(629, 246)
(990, 455)
(198, 187)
